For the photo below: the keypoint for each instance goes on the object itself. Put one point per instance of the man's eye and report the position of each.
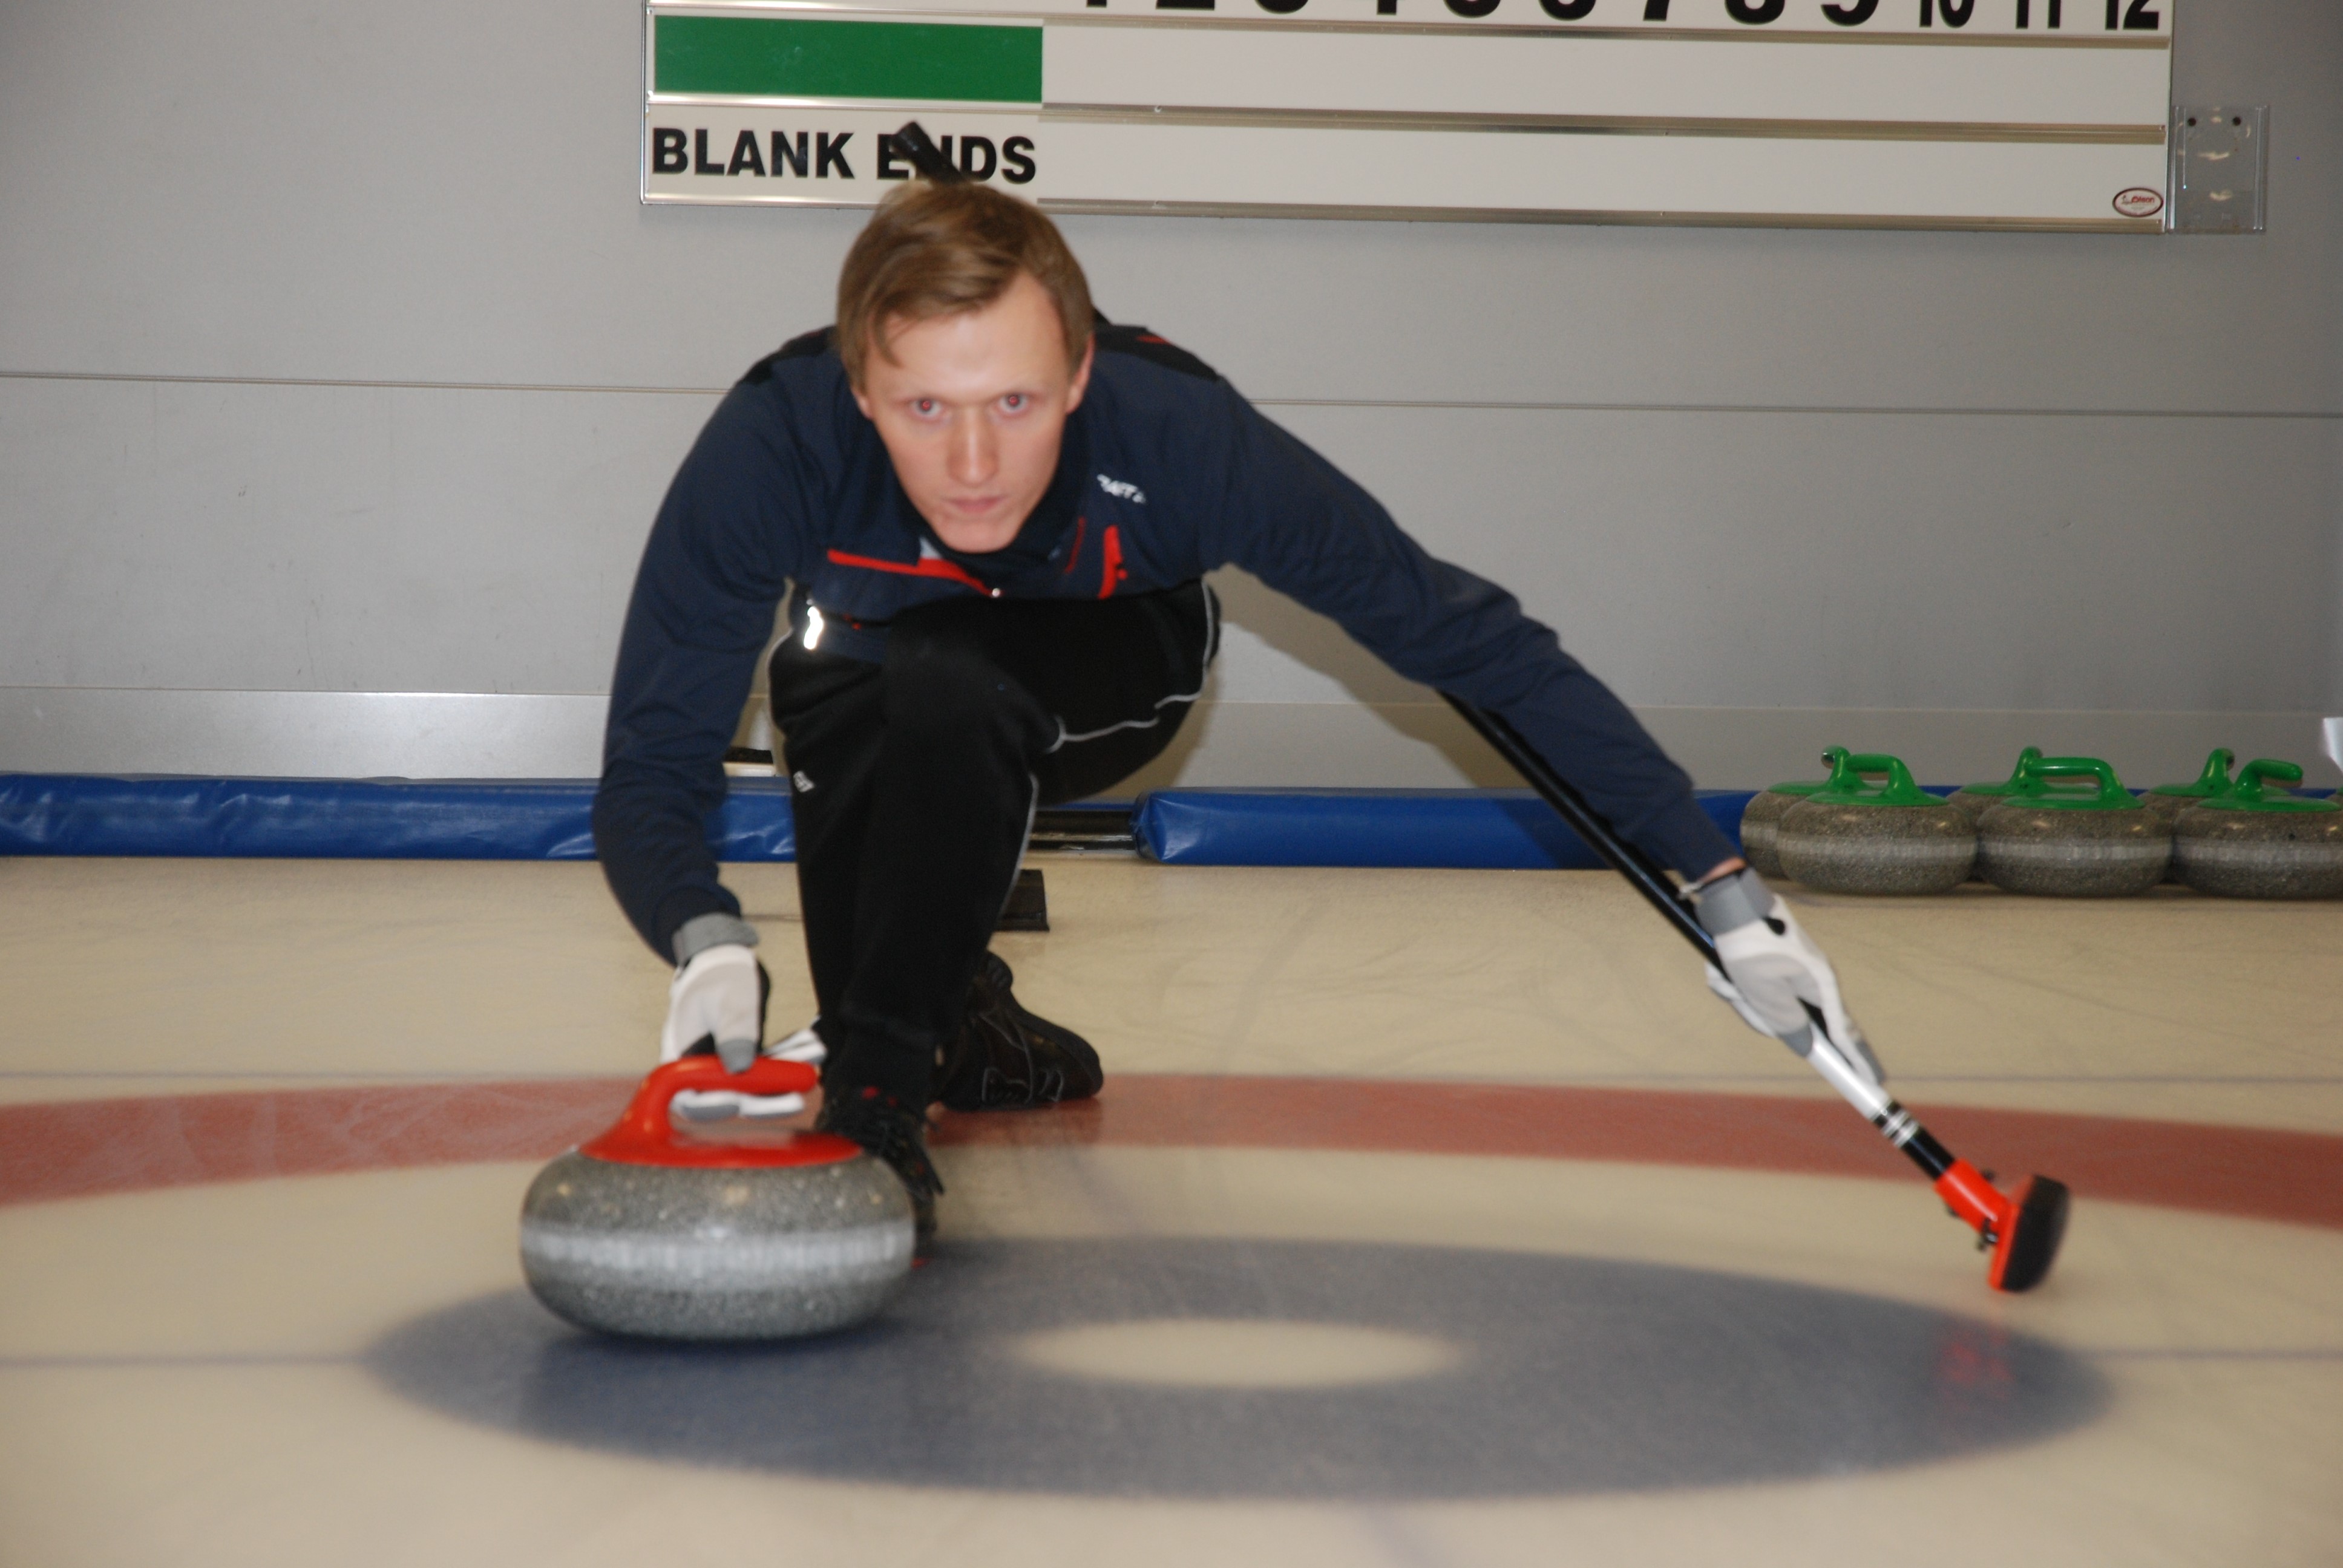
(923, 406)
(1014, 402)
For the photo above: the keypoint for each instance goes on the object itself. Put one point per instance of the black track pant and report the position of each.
(917, 779)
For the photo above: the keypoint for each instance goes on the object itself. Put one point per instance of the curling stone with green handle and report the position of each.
(1892, 838)
(2255, 842)
(1974, 799)
(1763, 815)
(2072, 830)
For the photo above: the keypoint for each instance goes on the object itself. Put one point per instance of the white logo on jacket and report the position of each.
(1122, 489)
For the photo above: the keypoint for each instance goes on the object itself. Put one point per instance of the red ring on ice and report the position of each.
(83, 1148)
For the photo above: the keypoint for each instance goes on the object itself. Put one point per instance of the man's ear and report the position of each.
(862, 401)
(1082, 381)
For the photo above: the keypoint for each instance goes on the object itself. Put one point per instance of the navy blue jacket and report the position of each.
(1166, 474)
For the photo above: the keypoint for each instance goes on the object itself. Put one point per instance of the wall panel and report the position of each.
(445, 191)
(332, 539)
(1720, 460)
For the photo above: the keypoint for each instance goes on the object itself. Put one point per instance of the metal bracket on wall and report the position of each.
(2220, 165)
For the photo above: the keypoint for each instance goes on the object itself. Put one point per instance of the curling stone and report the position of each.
(2254, 842)
(1894, 838)
(1975, 798)
(2072, 830)
(1763, 815)
(638, 1232)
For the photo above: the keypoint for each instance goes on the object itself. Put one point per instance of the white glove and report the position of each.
(1773, 972)
(720, 1104)
(717, 993)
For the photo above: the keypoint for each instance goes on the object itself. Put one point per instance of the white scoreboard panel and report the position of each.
(1932, 113)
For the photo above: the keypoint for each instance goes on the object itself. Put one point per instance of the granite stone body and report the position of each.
(2259, 854)
(699, 1252)
(2073, 853)
(1875, 848)
(1760, 820)
(2170, 807)
(1973, 802)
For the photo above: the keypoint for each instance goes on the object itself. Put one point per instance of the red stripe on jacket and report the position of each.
(925, 567)
(1111, 570)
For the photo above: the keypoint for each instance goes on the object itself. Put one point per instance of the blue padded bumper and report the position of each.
(550, 819)
(1502, 829)
(349, 818)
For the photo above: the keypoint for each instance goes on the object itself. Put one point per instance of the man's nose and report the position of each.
(974, 454)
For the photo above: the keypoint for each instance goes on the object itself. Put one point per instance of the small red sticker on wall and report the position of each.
(2140, 202)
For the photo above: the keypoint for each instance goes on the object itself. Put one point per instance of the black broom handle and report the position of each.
(1641, 870)
(1625, 859)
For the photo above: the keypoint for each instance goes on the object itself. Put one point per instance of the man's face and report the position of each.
(971, 407)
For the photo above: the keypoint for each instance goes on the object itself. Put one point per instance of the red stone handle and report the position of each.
(643, 1135)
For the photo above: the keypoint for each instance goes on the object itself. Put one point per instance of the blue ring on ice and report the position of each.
(1577, 1375)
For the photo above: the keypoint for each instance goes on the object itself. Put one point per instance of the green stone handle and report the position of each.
(1853, 766)
(2109, 795)
(1847, 787)
(2262, 770)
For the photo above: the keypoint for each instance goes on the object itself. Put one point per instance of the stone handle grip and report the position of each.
(645, 1126)
(2092, 768)
(2266, 770)
(2077, 767)
(1853, 768)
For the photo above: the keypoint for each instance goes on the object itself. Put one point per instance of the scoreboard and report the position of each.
(1876, 114)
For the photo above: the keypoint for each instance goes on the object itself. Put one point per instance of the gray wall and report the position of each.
(337, 360)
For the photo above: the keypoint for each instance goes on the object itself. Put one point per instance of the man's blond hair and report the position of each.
(934, 251)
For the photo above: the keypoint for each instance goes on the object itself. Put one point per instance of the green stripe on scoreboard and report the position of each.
(798, 57)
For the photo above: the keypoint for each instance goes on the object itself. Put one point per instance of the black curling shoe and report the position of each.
(888, 1130)
(1006, 1058)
